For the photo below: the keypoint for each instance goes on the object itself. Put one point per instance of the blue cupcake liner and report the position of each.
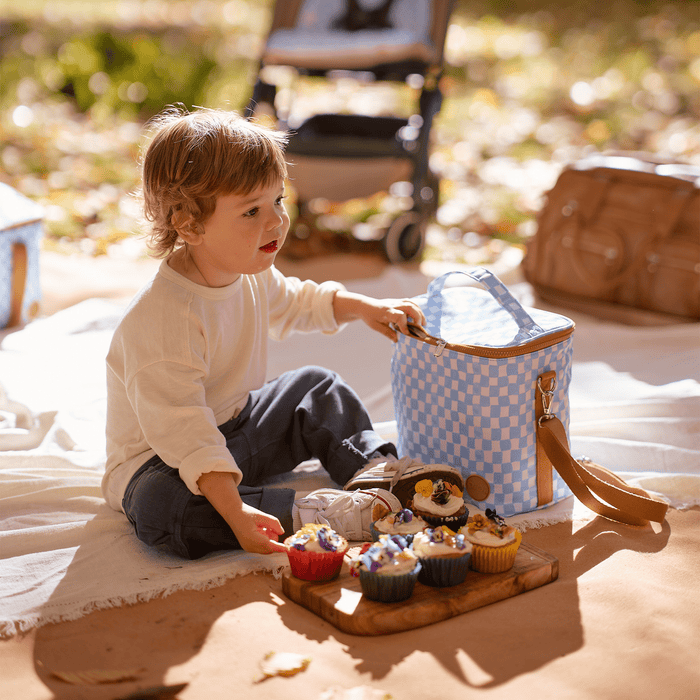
(443, 572)
(388, 589)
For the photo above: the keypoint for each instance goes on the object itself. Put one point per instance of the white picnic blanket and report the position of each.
(635, 400)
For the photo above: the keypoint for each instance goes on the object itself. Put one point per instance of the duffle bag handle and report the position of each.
(526, 325)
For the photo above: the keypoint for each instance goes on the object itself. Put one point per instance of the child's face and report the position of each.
(244, 234)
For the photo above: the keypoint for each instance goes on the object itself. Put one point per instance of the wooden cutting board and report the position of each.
(341, 603)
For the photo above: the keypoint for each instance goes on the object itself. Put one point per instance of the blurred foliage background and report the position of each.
(529, 86)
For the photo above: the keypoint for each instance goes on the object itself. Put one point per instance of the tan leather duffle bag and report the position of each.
(619, 237)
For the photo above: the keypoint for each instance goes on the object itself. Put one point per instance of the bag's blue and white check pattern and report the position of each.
(478, 414)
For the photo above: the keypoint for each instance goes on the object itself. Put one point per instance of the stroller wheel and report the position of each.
(405, 237)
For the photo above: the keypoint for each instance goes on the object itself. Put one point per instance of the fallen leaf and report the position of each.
(285, 664)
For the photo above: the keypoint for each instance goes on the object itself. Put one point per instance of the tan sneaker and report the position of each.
(400, 476)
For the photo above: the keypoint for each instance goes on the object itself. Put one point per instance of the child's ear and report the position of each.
(189, 236)
(187, 227)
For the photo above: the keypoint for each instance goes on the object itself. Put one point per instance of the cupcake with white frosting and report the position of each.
(403, 522)
(316, 552)
(444, 556)
(387, 569)
(439, 502)
(494, 542)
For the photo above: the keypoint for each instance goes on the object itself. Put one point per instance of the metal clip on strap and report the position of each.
(547, 400)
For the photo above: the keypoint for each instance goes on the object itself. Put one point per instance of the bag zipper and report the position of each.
(547, 341)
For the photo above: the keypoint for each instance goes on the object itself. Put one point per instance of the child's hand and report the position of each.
(379, 314)
(382, 314)
(257, 531)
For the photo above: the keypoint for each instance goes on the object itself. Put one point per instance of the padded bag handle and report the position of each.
(526, 325)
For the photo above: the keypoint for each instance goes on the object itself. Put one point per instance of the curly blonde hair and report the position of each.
(195, 157)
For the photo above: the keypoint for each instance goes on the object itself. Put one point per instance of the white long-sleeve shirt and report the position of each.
(184, 359)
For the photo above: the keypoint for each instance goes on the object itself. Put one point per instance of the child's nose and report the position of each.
(275, 219)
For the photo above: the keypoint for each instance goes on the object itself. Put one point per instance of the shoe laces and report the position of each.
(397, 466)
(400, 466)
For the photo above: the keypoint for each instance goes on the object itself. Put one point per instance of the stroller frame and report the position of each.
(381, 143)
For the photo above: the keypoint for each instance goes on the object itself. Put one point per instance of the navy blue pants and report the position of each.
(307, 413)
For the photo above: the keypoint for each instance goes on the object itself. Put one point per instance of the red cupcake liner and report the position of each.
(315, 566)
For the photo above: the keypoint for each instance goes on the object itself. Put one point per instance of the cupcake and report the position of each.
(443, 555)
(494, 543)
(439, 503)
(388, 570)
(316, 552)
(402, 522)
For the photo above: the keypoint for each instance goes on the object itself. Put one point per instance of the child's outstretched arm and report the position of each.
(256, 531)
(378, 314)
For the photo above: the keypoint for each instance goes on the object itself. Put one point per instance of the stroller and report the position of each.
(339, 157)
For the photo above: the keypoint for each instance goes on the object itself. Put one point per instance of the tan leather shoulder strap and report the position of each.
(19, 280)
(596, 487)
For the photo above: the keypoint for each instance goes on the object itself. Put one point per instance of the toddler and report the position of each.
(193, 428)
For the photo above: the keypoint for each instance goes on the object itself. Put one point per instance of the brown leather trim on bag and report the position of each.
(545, 491)
(416, 331)
(597, 488)
(19, 279)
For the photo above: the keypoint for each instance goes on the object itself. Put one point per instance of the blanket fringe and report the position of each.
(34, 620)
(534, 523)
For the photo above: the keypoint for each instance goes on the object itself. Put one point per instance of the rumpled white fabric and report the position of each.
(635, 400)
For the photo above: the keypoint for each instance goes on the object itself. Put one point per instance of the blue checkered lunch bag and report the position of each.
(484, 387)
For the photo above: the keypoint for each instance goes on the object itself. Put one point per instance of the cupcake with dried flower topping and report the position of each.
(494, 542)
(443, 555)
(439, 503)
(387, 569)
(403, 522)
(316, 552)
